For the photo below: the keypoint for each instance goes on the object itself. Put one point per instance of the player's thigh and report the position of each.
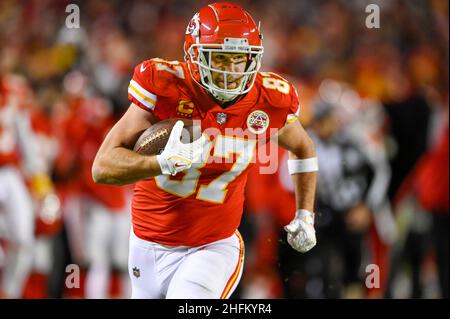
(210, 272)
(142, 270)
(75, 226)
(43, 255)
(120, 242)
(17, 207)
(99, 232)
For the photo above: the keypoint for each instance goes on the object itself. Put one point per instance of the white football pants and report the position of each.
(17, 219)
(211, 271)
(106, 246)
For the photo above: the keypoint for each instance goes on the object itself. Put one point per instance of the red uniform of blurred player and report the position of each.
(96, 216)
(188, 200)
(16, 206)
(107, 221)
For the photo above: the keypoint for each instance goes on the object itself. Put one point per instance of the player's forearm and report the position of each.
(303, 163)
(120, 166)
(305, 185)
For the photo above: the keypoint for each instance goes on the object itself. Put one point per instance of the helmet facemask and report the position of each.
(199, 55)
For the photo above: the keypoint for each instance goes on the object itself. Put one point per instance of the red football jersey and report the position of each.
(204, 203)
(80, 133)
(93, 121)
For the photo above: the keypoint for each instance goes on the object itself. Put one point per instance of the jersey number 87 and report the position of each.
(216, 190)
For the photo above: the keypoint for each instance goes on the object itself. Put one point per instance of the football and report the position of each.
(153, 140)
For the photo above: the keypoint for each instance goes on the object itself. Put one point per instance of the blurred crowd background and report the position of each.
(375, 101)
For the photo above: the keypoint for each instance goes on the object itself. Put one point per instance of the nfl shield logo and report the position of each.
(136, 272)
(221, 118)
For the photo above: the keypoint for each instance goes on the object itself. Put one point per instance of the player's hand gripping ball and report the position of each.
(176, 143)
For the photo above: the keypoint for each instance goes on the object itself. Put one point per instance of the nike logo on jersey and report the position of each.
(142, 68)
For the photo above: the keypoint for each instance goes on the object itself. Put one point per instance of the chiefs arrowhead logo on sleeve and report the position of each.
(258, 122)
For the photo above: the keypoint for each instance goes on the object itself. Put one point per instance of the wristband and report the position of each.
(303, 165)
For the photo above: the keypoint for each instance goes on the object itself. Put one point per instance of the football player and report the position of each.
(96, 216)
(107, 220)
(188, 200)
(16, 205)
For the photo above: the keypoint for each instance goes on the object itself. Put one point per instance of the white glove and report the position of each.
(301, 234)
(178, 156)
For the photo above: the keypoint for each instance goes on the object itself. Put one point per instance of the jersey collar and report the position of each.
(206, 103)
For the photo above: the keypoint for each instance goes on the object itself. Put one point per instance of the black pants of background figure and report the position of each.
(441, 242)
(61, 258)
(325, 270)
(413, 252)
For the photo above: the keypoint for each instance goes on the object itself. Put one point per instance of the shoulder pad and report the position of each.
(277, 91)
(158, 76)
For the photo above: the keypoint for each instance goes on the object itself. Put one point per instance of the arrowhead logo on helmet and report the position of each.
(193, 26)
(227, 28)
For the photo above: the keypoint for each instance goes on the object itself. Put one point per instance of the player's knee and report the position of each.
(20, 247)
(192, 289)
(21, 240)
(120, 261)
